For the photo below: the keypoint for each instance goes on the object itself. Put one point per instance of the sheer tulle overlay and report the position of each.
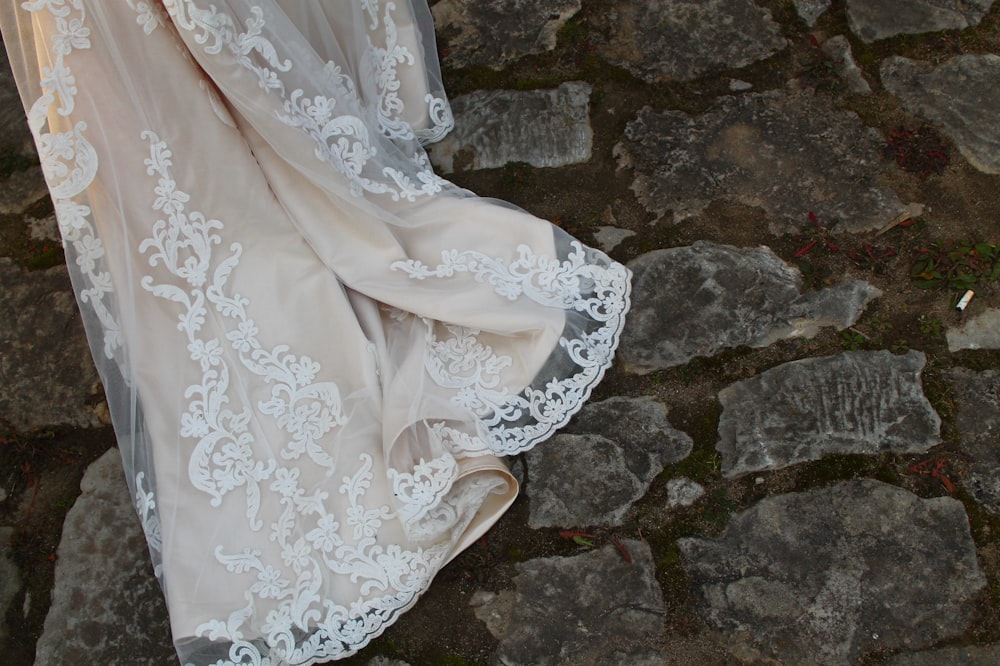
(315, 350)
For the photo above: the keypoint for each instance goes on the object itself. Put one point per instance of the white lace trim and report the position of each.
(389, 577)
(145, 506)
(516, 421)
(341, 139)
(70, 162)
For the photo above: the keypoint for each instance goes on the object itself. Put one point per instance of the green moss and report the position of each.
(571, 33)
(700, 465)
(719, 507)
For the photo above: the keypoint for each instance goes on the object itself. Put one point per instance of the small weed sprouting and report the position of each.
(871, 257)
(852, 340)
(820, 71)
(930, 326)
(956, 265)
(820, 237)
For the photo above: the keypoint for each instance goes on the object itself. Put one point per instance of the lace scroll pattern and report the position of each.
(70, 163)
(315, 541)
(586, 283)
(341, 136)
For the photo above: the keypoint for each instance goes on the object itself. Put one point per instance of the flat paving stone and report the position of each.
(594, 476)
(14, 133)
(853, 402)
(594, 609)
(977, 421)
(48, 373)
(838, 49)
(788, 154)
(872, 20)
(545, 128)
(21, 189)
(960, 95)
(683, 492)
(496, 33)
(810, 10)
(699, 300)
(678, 40)
(107, 606)
(608, 238)
(823, 576)
(979, 332)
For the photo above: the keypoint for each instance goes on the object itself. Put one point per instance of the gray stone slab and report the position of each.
(977, 421)
(639, 425)
(979, 332)
(961, 95)
(545, 128)
(496, 33)
(48, 373)
(838, 49)
(810, 10)
(608, 238)
(594, 476)
(681, 40)
(822, 576)
(787, 154)
(14, 133)
(21, 189)
(683, 492)
(973, 655)
(853, 402)
(699, 300)
(107, 607)
(872, 20)
(595, 609)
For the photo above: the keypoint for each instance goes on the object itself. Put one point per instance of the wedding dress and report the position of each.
(315, 351)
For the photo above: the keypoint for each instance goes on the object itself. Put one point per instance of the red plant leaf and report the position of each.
(805, 249)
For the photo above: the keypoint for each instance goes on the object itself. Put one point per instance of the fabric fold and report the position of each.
(316, 352)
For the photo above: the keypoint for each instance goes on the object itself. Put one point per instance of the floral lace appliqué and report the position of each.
(515, 421)
(341, 137)
(70, 162)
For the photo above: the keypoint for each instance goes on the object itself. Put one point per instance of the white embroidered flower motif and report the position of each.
(89, 249)
(297, 555)
(71, 34)
(366, 522)
(244, 338)
(169, 199)
(148, 15)
(208, 354)
(325, 537)
(269, 583)
(286, 482)
(305, 370)
(399, 567)
(72, 218)
(193, 423)
(54, 150)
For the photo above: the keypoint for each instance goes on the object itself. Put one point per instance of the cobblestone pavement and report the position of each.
(796, 459)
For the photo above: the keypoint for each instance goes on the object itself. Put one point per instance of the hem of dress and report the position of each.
(625, 297)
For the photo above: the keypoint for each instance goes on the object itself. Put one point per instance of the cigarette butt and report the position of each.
(964, 301)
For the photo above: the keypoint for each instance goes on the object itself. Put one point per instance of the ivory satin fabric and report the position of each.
(316, 352)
